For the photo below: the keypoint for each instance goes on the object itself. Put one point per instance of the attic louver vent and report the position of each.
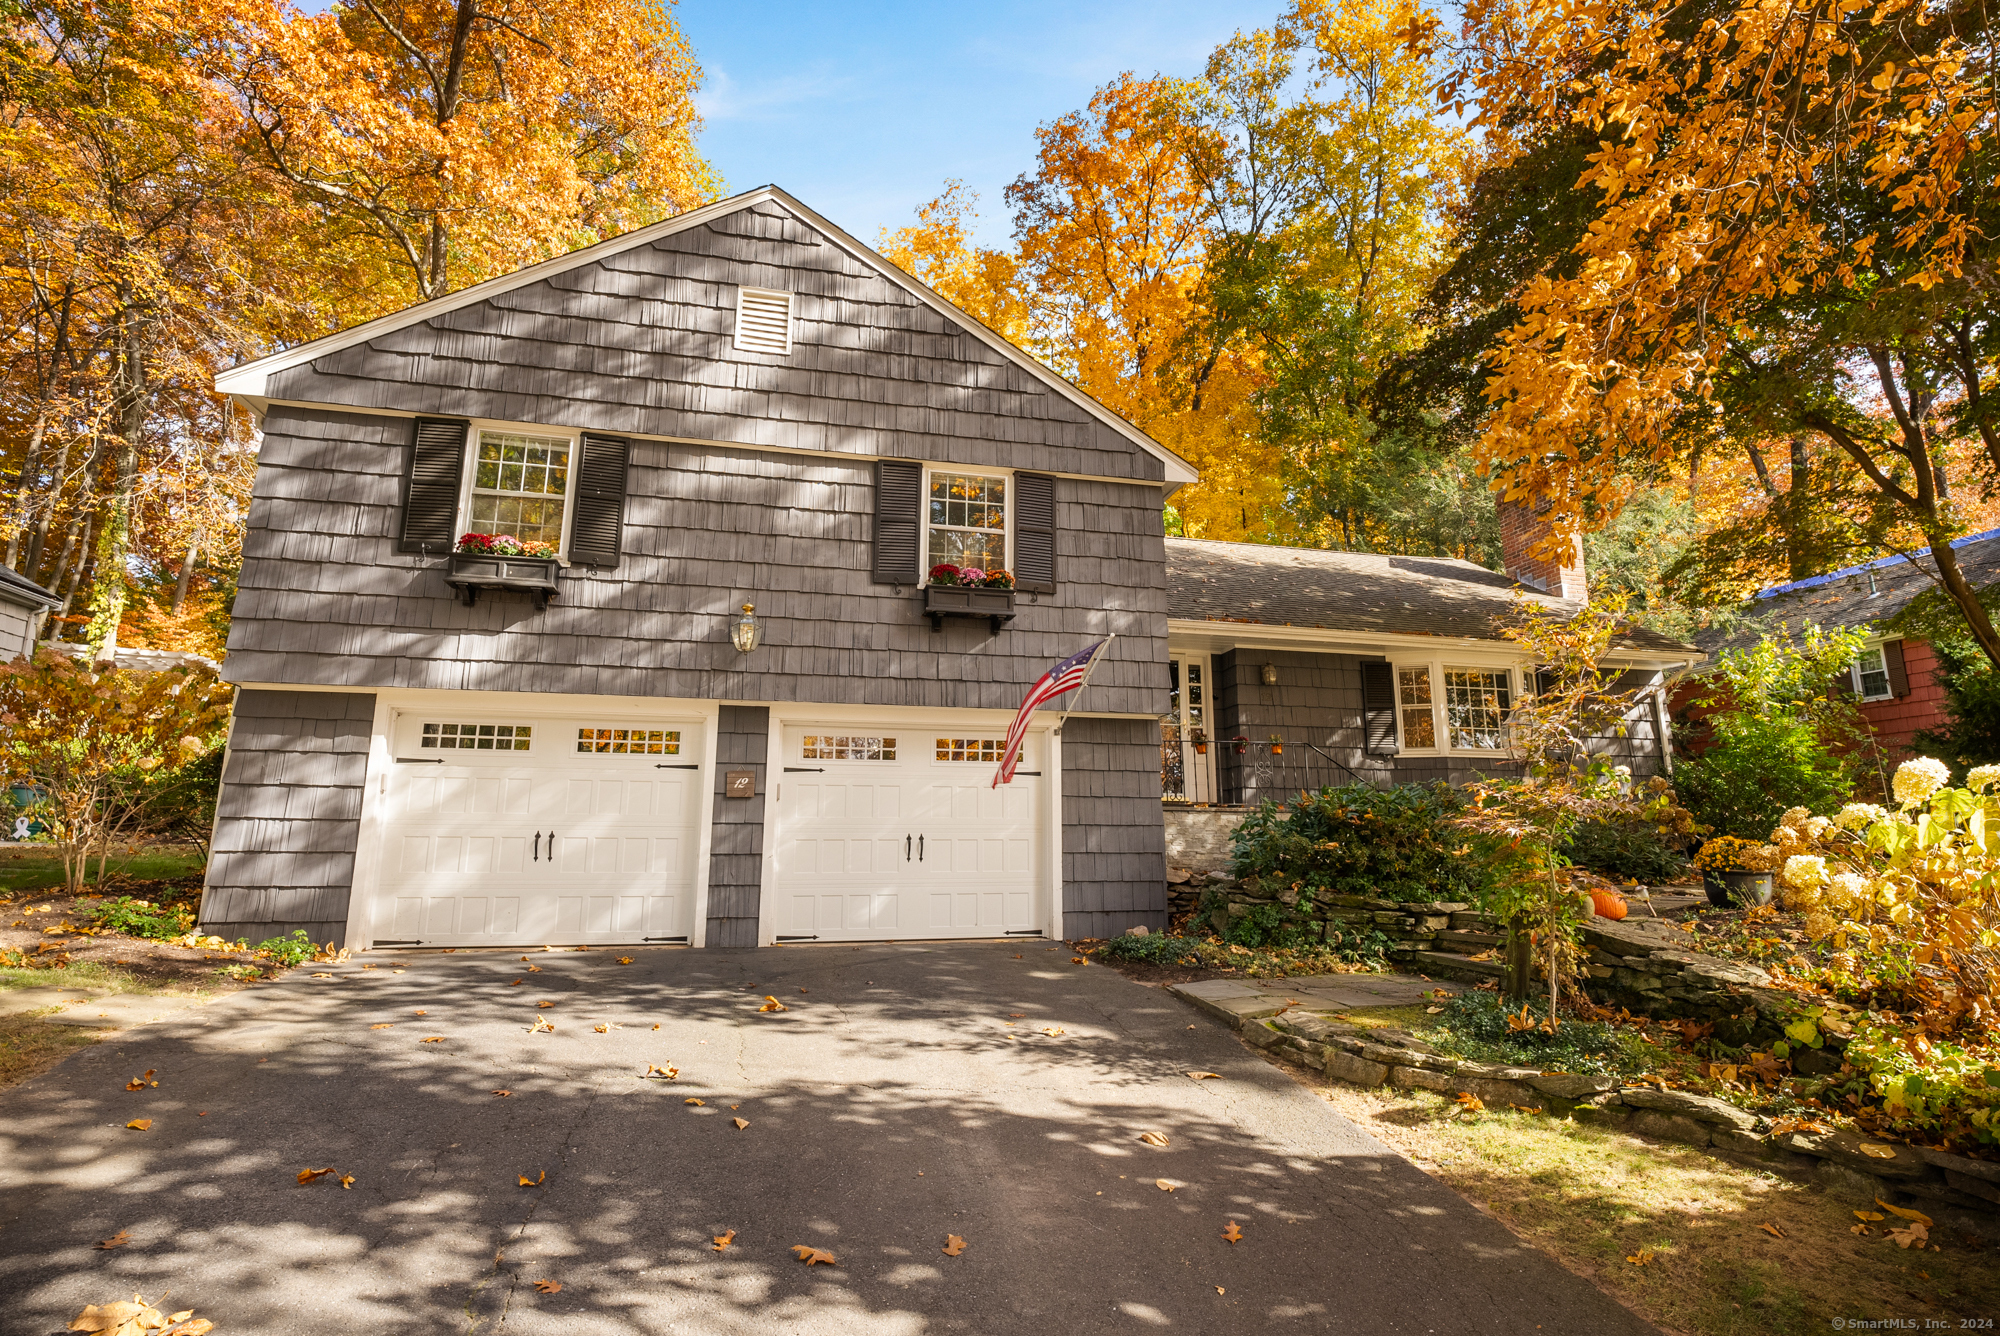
(763, 321)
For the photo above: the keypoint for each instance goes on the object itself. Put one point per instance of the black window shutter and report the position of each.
(1378, 709)
(430, 488)
(1899, 672)
(597, 532)
(898, 520)
(1035, 533)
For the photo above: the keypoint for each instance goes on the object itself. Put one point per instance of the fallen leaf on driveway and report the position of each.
(1152, 1138)
(691, 1100)
(1772, 1230)
(421, 1013)
(1206, 1076)
(545, 1003)
(624, 960)
(322, 976)
(541, 1026)
(549, 1286)
(1053, 1030)
(503, 1093)
(724, 1239)
(312, 1175)
(383, 1025)
(812, 1255)
(656, 1025)
(140, 1124)
(1220, 1290)
(1233, 1234)
(1018, 1015)
(953, 1245)
(773, 1004)
(664, 1073)
(533, 969)
(141, 1082)
(536, 1182)
(434, 1039)
(741, 1123)
(1165, 1185)
(118, 1240)
(1078, 960)
(347, 1181)
(517, 983)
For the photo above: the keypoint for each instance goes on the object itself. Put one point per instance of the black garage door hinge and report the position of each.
(813, 938)
(381, 942)
(663, 939)
(675, 767)
(1024, 932)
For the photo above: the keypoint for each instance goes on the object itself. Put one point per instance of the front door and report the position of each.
(1187, 754)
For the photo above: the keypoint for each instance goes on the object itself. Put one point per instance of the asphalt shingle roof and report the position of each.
(1352, 591)
(19, 589)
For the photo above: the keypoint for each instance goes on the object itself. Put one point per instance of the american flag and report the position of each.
(1065, 676)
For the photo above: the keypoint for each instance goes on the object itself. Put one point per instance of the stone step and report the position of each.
(1450, 964)
(1470, 943)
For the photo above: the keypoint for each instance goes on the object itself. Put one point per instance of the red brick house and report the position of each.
(1896, 676)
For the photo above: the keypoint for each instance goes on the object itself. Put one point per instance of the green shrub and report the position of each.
(138, 918)
(1474, 1026)
(293, 949)
(1393, 844)
(1625, 852)
(1159, 948)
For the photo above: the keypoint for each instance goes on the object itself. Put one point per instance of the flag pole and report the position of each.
(1084, 685)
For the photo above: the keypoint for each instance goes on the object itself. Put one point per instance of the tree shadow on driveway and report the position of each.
(905, 1094)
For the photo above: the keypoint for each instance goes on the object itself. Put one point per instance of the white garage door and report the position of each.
(516, 830)
(892, 831)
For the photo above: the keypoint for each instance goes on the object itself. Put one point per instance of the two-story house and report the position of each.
(741, 405)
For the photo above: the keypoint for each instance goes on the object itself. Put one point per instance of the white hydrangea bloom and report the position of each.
(1860, 816)
(1982, 778)
(1817, 828)
(1847, 890)
(1803, 870)
(1918, 779)
(1795, 818)
(1819, 927)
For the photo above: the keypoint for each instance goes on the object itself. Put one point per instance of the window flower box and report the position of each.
(470, 572)
(942, 601)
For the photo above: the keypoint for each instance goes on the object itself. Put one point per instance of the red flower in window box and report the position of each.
(944, 573)
(503, 545)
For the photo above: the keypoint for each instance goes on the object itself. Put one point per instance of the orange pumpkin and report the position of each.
(1608, 904)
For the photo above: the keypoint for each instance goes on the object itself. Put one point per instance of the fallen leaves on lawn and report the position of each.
(1904, 1213)
(953, 1245)
(1859, 1229)
(1916, 1234)
(541, 1026)
(1875, 1150)
(1786, 1126)
(1206, 1076)
(664, 1073)
(811, 1255)
(118, 1240)
(1773, 1230)
(141, 1082)
(1165, 1184)
(724, 1239)
(1524, 1108)
(1433, 1011)
(1470, 1103)
(1233, 1234)
(549, 1286)
(141, 1124)
(536, 1181)
(1868, 1215)
(773, 1004)
(1153, 1138)
(691, 1100)
(314, 1175)
(741, 1123)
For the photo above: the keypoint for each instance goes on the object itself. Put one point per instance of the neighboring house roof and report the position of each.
(20, 590)
(1354, 592)
(1856, 596)
(251, 380)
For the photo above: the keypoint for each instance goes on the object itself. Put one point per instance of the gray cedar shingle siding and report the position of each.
(289, 815)
(736, 850)
(325, 599)
(1114, 842)
(642, 341)
(16, 630)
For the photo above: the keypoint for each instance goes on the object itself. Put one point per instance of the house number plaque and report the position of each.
(740, 784)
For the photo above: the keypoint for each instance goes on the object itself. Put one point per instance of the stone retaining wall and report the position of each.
(1388, 1057)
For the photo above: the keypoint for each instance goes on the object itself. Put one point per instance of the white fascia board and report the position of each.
(250, 382)
(1214, 636)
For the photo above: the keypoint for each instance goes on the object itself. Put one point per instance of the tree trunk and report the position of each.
(108, 595)
(1518, 959)
(187, 572)
(31, 463)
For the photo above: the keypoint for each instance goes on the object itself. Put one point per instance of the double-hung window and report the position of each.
(1870, 674)
(520, 486)
(1443, 707)
(967, 521)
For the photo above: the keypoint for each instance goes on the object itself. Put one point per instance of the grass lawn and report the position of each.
(33, 869)
(1595, 1199)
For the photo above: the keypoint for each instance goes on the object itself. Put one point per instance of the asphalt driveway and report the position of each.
(889, 1106)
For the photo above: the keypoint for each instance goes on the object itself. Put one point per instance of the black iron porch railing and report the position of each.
(1198, 769)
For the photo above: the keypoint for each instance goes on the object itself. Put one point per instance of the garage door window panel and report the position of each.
(628, 741)
(477, 737)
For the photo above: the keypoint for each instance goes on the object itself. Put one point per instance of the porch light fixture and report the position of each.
(1270, 674)
(747, 632)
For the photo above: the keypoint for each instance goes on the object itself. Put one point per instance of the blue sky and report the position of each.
(863, 110)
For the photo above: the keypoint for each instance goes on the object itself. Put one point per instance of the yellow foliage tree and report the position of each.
(937, 251)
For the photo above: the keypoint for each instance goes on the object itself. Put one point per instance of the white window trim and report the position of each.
(471, 470)
(974, 471)
(1440, 724)
(1854, 673)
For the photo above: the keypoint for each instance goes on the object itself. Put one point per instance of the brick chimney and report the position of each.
(1521, 527)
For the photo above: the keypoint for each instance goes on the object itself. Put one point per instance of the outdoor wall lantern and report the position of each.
(747, 632)
(1270, 674)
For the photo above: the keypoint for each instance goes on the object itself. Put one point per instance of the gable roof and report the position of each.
(18, 589)
(1355, 592)
(252, 380)
(1857, 596)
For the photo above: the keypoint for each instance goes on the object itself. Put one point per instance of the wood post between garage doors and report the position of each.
(736, 858)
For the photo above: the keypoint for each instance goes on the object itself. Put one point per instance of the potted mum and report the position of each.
(1735, 871)
(503, 562)
(969, 591)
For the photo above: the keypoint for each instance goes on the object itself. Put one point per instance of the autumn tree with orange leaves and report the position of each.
(1756, 221)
